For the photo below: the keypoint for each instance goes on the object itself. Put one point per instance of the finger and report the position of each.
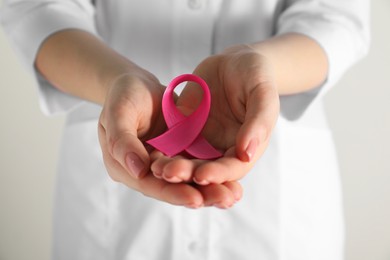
(176, 194)
(262, 110)
(113, 167)
(217, 195)
(224, 169)
(157, 163)
(236, 188)
(175, 170)
(123, 143)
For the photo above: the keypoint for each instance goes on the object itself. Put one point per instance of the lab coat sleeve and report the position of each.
(28, 23)
(341, 28)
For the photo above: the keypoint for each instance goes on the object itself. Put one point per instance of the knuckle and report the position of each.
(113, 142)
(116, 144)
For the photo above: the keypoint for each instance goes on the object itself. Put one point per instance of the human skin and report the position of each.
(245, 82)
(79, 64)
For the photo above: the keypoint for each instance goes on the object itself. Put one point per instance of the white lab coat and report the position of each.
(292, 206)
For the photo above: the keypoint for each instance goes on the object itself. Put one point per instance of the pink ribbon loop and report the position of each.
(184, 132)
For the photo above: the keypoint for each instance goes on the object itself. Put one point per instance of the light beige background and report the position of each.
(359, 113)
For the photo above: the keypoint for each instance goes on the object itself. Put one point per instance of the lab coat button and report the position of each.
(195, 4)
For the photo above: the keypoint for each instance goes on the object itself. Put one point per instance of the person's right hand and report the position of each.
(132, 114)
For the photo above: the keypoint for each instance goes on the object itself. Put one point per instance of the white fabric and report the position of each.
(292, 202)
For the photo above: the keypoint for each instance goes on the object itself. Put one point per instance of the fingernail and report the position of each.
(174, 179)
(237, 197)
(193, 206)
(158, 175)
(201, 182)
(251, 149)
(134, 164)
(222, 205)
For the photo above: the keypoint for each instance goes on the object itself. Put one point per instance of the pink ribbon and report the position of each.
(184, 133)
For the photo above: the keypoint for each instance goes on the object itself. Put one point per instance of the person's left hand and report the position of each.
(244, 110)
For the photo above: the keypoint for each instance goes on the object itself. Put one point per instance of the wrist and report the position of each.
(251, 58)
(124, 76)
(299, 62)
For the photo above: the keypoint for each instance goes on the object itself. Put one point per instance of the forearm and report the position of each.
(79, 64)
(299, 63)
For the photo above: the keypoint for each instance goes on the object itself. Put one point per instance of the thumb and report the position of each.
(124, 145)
(262, 110)
(131, 154)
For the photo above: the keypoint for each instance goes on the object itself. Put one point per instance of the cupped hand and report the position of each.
(244, 111)
(132, 114)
